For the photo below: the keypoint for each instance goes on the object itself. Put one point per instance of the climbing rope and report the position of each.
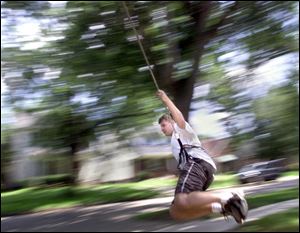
(140, 44)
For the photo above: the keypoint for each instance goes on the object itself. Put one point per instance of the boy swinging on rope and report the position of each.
(196, 173)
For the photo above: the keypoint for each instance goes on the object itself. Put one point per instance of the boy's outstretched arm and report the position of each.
(176, 114)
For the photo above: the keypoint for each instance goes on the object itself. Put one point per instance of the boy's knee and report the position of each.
(180, 202)
(179, 208)
(176, 214)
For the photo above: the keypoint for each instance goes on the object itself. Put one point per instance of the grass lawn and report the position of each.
(221, 181)
(224, 180)
(287, 221)
(36, 199)
(290, 173)
(272, 197)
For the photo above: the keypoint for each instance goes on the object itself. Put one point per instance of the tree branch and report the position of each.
(212, 31)
(164, 72)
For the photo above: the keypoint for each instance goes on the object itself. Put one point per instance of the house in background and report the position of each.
(222, 153)
(154, 161)
(108, 159)
(157, 159)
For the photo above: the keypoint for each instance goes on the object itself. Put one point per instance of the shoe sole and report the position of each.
(237, 215)
(244, 206)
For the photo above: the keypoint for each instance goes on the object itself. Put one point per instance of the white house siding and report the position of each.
(99, 170)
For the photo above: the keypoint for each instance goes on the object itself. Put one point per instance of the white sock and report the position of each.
(216, 207)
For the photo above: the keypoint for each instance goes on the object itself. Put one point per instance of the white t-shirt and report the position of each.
(189, 137)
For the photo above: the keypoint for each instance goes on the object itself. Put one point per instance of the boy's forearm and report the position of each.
(176, 114)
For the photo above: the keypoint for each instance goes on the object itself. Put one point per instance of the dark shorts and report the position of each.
(197, 175)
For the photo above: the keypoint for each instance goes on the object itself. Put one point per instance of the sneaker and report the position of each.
(240, 197)
(237, 207)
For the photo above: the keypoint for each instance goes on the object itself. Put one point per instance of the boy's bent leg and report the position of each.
(195, 200)
(192, 205)
(197, 204)
(180, 215)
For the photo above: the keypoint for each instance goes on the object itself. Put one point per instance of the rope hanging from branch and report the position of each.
(140, 44)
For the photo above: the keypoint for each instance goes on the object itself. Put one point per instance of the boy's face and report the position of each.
(166, 127)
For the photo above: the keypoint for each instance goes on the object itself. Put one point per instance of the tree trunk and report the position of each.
(182, 90)
(183, 93)
(75, 164)
(4, 178)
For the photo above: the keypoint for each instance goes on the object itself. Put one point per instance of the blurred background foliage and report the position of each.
(81, 74)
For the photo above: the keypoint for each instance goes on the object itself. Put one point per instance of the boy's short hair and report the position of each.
(166, 117)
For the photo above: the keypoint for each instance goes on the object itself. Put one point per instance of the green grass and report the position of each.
(287, 221)
(220, 181)
(34, 199)
(272, 197)
(154, 183)
(224, 180)
(228, 180)
(253, 202)
(290, 173)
